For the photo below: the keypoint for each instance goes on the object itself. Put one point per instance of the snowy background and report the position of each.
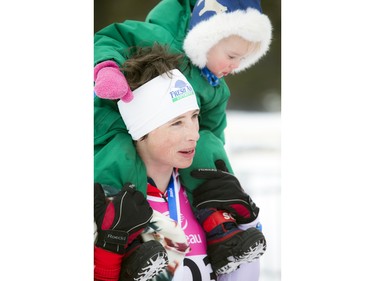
(253, 146)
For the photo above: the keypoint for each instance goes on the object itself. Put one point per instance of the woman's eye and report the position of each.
(176, 123)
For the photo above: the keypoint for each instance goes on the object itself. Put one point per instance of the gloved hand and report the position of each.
(120, 219)
(222, 190)
(110, 82)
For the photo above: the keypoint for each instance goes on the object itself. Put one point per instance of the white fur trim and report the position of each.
(249, 24)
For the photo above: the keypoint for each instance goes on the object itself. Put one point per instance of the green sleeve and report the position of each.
(173, 16)
(116, 161)
(167, 24)
(212, 102)
(113, 41)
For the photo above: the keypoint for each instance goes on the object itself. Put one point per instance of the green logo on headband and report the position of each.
(182, 90)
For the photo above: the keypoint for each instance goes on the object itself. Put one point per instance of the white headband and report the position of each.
(156, 102)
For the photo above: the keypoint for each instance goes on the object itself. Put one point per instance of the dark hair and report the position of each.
(146, 63)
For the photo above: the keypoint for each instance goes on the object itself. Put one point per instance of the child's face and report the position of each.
(172, 144)
(227, 54)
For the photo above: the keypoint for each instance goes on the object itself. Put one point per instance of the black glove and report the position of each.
(222, 190)
(121, 218)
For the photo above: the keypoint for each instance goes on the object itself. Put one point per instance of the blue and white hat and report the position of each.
(213, 20)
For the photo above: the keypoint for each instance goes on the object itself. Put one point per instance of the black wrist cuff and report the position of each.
(113, 240)
(114, 237)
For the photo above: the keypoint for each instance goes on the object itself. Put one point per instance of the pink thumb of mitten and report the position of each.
(110, 82)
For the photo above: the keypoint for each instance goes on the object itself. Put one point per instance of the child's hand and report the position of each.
(121, 218)
(222, 190)
(110, 82)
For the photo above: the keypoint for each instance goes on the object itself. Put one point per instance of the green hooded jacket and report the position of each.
(115, 159)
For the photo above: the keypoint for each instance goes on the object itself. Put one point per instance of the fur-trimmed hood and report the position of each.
(213, 20)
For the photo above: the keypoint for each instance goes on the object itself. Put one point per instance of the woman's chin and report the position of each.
(184, 164)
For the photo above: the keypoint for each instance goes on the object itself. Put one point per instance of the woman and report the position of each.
(162, 120)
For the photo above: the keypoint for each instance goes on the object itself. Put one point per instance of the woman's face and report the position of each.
(227, 54)
(172, 144)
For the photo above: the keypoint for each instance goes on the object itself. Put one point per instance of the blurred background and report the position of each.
(256, 89)
(253, 135)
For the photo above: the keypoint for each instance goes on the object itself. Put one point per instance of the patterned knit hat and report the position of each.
(213, 20)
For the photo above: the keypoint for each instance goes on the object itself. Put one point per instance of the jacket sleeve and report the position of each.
(112, 42)
(212, 102)
(116, 161)
(107, 265)
(174, 16)
(166, 23)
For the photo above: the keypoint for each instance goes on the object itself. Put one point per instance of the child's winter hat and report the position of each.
(213, 20)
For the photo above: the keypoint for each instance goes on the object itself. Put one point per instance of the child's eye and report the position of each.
(195, 116)
(176, 123)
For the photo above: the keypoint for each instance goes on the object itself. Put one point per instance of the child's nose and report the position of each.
(235, 64)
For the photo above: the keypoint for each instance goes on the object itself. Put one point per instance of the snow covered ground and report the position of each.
(253, 146)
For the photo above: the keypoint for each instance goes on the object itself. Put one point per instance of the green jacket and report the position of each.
(115, 159)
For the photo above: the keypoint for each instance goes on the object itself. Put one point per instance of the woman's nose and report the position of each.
(193, 132)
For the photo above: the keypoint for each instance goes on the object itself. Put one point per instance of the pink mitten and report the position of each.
(110, 82)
